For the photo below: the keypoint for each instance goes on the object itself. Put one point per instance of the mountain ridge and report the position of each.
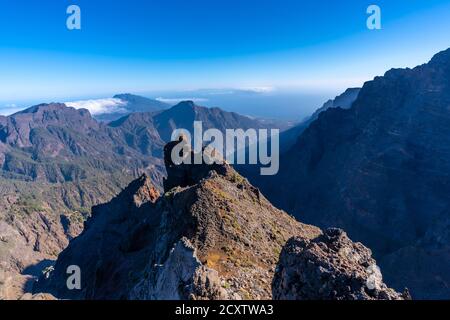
(344, 101)
(379, 170)
(57, 162)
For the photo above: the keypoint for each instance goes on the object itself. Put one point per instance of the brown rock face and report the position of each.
(146, 192)
(216, 237)
(330, 267)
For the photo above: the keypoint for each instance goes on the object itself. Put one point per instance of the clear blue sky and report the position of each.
(143, 46)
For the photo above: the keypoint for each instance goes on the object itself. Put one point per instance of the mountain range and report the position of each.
(374, 162)
(215, 238)
(57, 162)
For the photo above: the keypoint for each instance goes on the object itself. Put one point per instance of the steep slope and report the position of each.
(219, 237)
(381, 171)
(330, 267)
(137, 131)
(344, 101)
(216, 238)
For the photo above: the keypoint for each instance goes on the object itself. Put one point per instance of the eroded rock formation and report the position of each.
(329, 267)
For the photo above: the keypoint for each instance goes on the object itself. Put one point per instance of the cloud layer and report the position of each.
(9, 109)
(178, 100)
(100, 106)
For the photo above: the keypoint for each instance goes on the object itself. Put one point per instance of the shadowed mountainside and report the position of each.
(381, 171)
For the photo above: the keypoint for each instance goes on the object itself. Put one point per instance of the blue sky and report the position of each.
(310, 47)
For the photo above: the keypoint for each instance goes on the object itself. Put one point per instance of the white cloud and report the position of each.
(258, 89)
(9, 109)
(100, 106)
(178, 100)
(217, 92)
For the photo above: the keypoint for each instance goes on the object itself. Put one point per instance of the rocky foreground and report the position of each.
(330, 267)
(216, 237)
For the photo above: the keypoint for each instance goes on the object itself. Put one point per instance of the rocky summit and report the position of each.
(330, 267)
(216, 237)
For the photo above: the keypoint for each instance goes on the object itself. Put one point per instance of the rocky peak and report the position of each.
(146, 192)
(44, 107)
(183, 175)
(188, 104)
(329, 267)
(126, 205)
(183, 108)
(441, 59)
(19, 127)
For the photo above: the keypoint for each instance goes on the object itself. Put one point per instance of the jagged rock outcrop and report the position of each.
(182, 276)
(329, 267)
(343, 101)
(185, 174)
